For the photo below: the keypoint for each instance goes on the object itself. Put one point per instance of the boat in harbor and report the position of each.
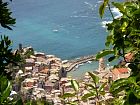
(81, 64)
(89, 61)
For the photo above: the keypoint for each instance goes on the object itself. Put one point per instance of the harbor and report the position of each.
(48, 77)
(71, 64)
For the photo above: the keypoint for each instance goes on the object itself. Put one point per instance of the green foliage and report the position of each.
(5, 16)
(130, 86)
(123, 38)
(94, 77)
(5, 88)
(28, 53)
(38, 102)
(102, 7)
(75, 85)
(119, 85)
(19, 102)
(104, 53)
(7, 57)
(65, 97)
(117, 101)
(87, 95)
(96, 89)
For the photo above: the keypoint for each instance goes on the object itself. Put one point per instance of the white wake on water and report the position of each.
(104, 23)
(116, 12)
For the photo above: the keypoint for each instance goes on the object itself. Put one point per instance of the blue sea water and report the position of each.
(79, 27)
(79, 72)
(65, 28)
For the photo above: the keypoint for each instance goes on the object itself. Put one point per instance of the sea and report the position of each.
(66, 28)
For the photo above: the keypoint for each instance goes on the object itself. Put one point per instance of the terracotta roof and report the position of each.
(120, 70)
(115, 71)
(120, 73)
(123, 70)
(44, 70)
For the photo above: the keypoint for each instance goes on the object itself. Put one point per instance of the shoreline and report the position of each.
(80, 71)
(71, 64)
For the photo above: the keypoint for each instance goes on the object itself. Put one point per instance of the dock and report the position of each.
(77, 61)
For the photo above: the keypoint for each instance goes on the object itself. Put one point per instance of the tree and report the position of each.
(6, 56)
(6, 20)
(124, 38)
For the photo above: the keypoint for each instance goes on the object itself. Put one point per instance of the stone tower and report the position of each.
(101, 64)
(20, 46)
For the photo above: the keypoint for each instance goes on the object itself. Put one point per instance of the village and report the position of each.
(45, 77)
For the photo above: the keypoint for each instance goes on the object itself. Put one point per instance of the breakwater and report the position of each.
(73, 63)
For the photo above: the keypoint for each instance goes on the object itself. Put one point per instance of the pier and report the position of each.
(75, 62)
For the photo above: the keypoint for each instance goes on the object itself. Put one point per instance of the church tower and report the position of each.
(101, 64)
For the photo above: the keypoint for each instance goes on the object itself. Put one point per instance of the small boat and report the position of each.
(55, 30)
(81, 64)
(76, 66)
(89, 61)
